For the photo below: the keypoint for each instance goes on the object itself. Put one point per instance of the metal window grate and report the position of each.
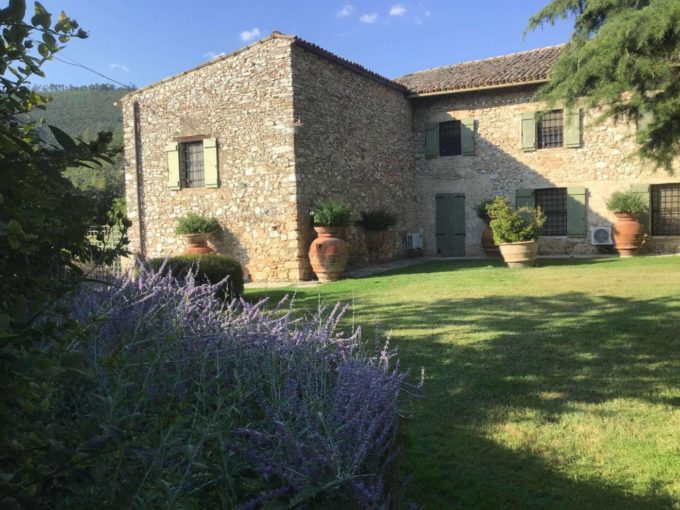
(193, 173)
(666, 209)
(550, 130)
(553, 202)
(449, 138)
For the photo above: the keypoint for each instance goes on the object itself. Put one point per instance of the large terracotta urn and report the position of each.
(520, 254)
(196, 244)
(328, 254)
(627, 234)
(488, 244)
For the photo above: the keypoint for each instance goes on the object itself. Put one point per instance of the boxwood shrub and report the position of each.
(208, 268)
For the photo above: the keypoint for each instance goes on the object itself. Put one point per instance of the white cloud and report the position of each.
(119, 67)
(397, 10)
(345, 11)
(213, 54)
(428, 14)
(249, 35)
(369, 17)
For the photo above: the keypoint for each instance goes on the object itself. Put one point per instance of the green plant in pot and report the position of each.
(516, 231)
(627, 232)
(328, 253)
(195, 230)
(375, 223)
(488, 244)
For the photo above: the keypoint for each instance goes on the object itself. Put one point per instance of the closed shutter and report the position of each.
(576, 212)
(172, 151)
(572, 128)
(467, 137)
(524, 198)
(210, 163)
(431, 140)
(529, 131)
(645, 217)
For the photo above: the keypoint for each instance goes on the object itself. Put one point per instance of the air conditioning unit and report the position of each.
(601, 235)
(414, 241)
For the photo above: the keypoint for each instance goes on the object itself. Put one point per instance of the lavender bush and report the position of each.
(183, 400)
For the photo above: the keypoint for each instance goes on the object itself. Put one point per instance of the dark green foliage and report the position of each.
(208, 268)
(378, 219)
(43, 224)
(623, 55)
(193, 223)
(331, 214)
(626, 202)
(511, 225)
(482, 213)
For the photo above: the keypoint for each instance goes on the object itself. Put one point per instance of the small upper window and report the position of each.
(449, 138)
(666, 209)
(553, 203)
(191, 164)
(550, 130)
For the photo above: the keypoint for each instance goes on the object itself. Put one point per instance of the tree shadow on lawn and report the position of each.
(489, 358)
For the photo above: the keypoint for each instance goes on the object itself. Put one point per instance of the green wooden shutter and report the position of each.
(645, 217)
(467, 137)
(529, 131)
(172, 151)
(572, 128)
(524, 198)
(576, 212)
(211, 174)
(431, 140)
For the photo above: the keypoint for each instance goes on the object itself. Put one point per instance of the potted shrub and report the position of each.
(328, 253)
(516, 232)
(627, 232)
(488, 245)
(375, 223)
(195, 230)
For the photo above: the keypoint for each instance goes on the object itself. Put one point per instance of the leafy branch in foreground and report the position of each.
(624, 56)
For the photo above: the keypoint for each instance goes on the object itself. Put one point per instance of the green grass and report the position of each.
(553, 387)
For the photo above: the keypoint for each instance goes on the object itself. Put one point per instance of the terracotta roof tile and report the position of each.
(512, 69)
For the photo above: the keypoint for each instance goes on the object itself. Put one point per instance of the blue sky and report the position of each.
(143, 41)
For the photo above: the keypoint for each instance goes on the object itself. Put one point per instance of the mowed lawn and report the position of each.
(552, 387)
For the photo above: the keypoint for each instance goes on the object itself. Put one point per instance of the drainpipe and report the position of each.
(138, 170)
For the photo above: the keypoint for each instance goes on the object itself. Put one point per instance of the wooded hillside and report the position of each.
(82, 112)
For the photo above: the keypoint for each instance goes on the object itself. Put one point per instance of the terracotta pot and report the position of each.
(627, 234)
(196, 244)
(375, 239)
(488, 244)
(521, 254)
(328, 254)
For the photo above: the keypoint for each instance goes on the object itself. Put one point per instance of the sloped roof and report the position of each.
(531, 66)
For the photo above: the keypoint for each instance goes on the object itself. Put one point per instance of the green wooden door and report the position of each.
(450, 227)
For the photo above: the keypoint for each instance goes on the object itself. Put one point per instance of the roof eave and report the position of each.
(475, 89)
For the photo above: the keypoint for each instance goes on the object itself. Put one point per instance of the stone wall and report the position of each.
(245, 101)
(355, 145)
(602, 164)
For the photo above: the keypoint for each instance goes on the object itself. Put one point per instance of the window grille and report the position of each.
(550, 130)
(553, 203)
(666, 209)
(449, 138)
(193, 173)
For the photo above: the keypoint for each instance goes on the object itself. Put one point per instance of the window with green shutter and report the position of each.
(450, 138)
(551, 129)
(193, 164)
(565, 209)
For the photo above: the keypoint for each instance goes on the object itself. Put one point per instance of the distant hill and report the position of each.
(82, 112)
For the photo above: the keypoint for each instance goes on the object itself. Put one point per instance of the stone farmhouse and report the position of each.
(257, 137)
